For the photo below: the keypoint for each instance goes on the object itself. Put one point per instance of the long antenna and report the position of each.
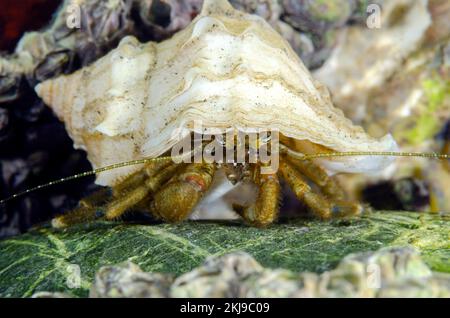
(431, 155)
(84, 174)
(302, 156)
(284, 149)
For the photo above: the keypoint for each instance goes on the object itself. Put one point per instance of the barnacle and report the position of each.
(232, 72)
(367, 56)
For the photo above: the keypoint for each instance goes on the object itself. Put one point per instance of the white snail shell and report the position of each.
(226, 69)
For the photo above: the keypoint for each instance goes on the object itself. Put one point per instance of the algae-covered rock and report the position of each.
(66, 261)
(128, 280)
(218, 277)
(388, 272)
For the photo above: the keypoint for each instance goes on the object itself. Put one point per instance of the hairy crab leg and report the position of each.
(329, 186)
(130, 199)
(90, 207)
(265, 209)
(175, 201)
(139, 177)
(85, 212)
(317, 203)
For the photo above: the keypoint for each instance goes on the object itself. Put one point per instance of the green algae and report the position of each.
(436, 90)
(41, 259)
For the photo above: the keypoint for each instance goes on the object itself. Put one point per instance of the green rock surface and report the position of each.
(43, 259)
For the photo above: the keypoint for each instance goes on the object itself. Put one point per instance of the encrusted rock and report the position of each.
(127, 280)
(281, 283)
(367, 55)
(388, 272)
(163, 18)
(218, 277)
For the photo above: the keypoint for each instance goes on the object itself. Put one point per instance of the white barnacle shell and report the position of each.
(366, 57)
(226, 69)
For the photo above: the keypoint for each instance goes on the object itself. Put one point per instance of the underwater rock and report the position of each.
(404, 92)
(9, 87)
(161, 19)
(414, 104)
(127, 280)
(388, 272)
(315, 24)
(298, 245)
(440, 28)
(366, 57)
(317, 16)
(218, 277)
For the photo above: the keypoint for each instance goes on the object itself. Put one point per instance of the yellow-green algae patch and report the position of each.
(436, 96)
(44, 259)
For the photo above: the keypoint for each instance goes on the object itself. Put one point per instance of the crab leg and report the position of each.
(265, 210)
(319, 176)
(329, 186)
(85, 212)
(317, 203)
(88, 208)
(139, 177)
(175, 201)
(119, 206)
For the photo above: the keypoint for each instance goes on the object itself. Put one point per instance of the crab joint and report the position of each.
(129, 199)
(265, 210)
(316, 202)
(175, 201)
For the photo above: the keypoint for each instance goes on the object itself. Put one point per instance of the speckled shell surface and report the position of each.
(226, 69)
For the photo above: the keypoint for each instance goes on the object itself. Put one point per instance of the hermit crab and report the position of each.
(234, 74)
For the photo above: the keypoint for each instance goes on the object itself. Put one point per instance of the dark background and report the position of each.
(18, 16)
